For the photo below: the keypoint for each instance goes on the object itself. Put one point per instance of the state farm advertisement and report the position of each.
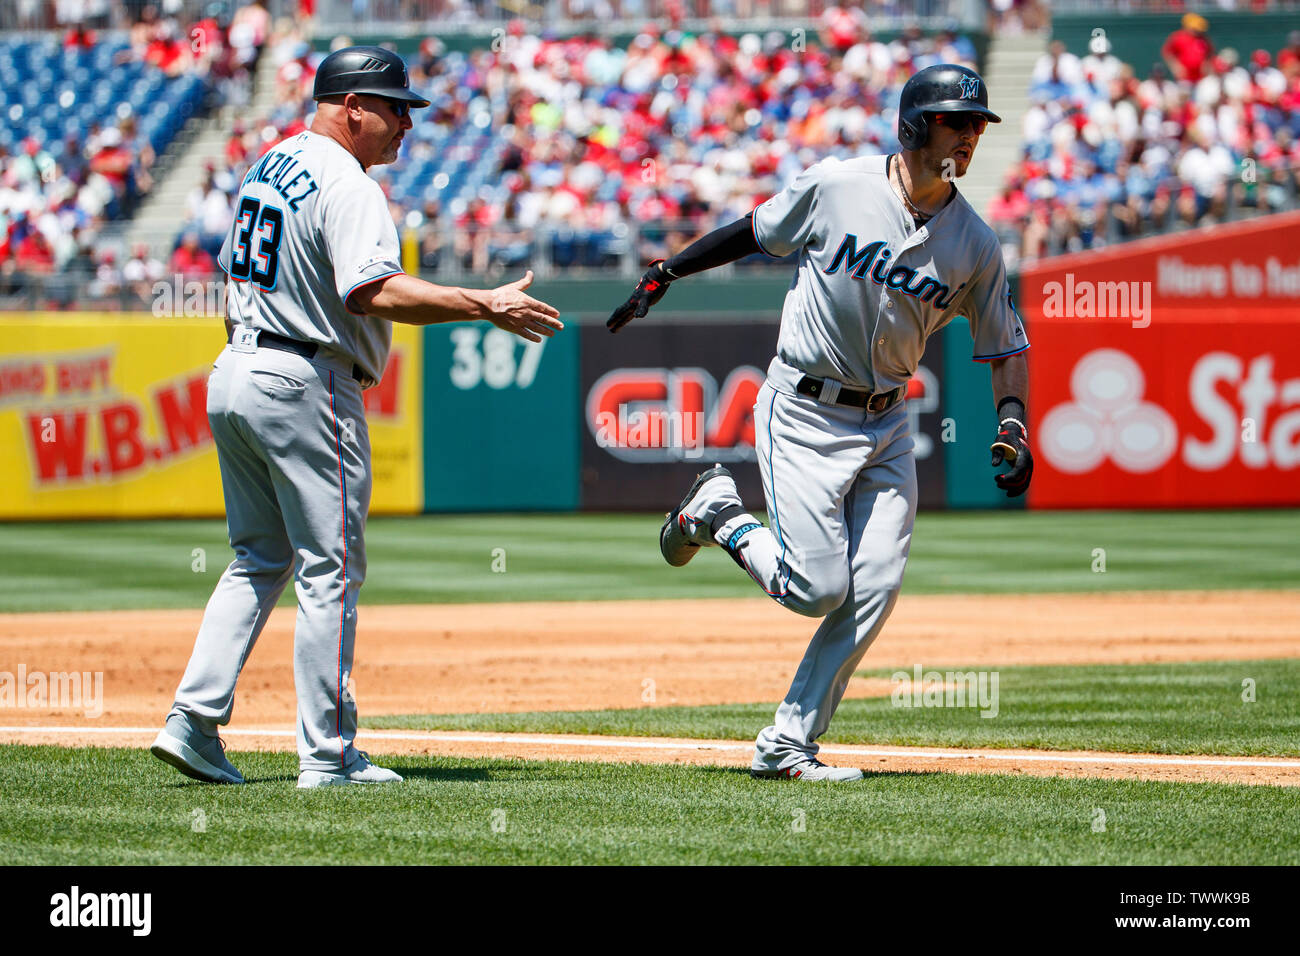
(1166, 416)
(1191, 398)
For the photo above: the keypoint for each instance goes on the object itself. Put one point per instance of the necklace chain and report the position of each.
(916, 211)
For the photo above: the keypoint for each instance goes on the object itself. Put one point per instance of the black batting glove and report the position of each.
(1012, 446)
(648, 291)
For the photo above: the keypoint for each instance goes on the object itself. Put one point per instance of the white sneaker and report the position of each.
(688, 527)
(363, 771)
(810, 769)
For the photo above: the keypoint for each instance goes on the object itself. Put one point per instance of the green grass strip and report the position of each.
(122, 807)
(580, 557)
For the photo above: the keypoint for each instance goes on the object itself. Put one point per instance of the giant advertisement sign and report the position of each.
(1187, 396)
(662, 402)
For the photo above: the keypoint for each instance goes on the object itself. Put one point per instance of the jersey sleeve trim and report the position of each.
(365, 282)
(990, 358)
(753, 227)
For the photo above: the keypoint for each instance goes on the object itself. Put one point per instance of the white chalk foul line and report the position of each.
(632, 743)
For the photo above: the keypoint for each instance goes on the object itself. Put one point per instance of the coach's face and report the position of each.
(383, 124)
(951, 143)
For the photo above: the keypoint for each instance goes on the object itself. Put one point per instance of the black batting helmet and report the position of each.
(945, 88)
(365, 69)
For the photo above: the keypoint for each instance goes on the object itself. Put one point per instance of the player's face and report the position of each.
(952, 141)
(386, 122)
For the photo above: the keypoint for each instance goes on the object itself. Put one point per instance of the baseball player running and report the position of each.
(889, 253)
(315, 279)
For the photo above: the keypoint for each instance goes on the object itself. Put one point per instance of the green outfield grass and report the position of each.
(434, 558)
(122, 807)
(1176, 708)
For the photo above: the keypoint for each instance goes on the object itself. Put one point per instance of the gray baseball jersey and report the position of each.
(310, 228)
(860, 255)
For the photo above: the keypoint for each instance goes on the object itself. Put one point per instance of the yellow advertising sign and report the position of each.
(105, 416)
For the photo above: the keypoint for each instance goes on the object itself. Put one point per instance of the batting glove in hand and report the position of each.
(648, 291)
(1012, 445)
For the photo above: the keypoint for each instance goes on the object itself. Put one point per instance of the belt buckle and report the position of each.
(881, 401)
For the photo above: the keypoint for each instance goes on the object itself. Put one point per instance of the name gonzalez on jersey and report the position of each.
(273, 168)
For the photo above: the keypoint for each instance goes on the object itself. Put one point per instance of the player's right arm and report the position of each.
(411, 301)
(727, 244)
(776, 228)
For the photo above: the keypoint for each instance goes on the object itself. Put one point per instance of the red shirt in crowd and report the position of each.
(113, 163)
(163, 53)
(1191, 51)
(34, 253)
(192, 263)
(1008, 206)
(79, 37)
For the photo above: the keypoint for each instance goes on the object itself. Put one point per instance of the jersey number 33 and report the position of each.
(255, 251)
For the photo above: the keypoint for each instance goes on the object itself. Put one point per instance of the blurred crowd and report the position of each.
(574, 147)
(676, 133)
(1110, 155)
(53, 203)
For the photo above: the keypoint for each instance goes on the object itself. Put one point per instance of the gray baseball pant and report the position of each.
(294, 451)
(840, 485)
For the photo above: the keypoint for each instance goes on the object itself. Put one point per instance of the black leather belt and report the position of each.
(852, 397)
(306, 349)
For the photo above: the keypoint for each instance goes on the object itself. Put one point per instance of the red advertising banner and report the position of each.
(1166, 373)
(1236, 272)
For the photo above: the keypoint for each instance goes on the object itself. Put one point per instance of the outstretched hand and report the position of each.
(519, 313)
(648, 291)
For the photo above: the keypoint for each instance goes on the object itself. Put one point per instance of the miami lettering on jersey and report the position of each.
(274, 169)
(874, 260)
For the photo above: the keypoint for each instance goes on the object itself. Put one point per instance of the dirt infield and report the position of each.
(569, 656)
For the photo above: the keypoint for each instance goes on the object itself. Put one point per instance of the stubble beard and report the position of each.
(934, 163)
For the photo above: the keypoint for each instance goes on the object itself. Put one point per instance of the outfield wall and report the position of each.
(104, 415)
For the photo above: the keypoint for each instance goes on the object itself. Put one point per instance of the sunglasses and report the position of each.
(957, 122)
(401, 109)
